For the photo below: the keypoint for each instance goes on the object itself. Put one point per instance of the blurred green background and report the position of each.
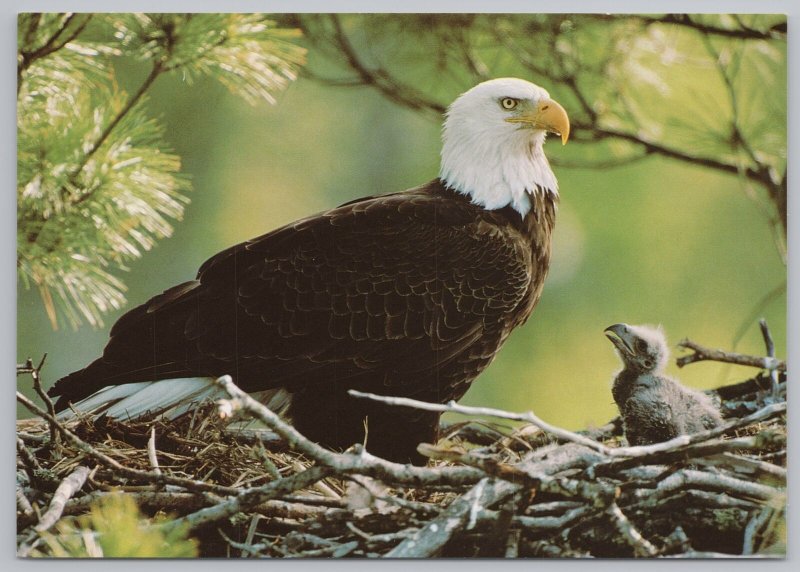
(656, 241)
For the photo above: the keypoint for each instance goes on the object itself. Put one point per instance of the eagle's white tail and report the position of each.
(165, 399)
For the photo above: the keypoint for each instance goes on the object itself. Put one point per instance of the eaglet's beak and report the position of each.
(621, 337)
(548, 115)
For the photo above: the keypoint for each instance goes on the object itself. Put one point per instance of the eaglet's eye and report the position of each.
(508, 103)
(641, 346)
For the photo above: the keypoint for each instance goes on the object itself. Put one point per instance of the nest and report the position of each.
(244, 489)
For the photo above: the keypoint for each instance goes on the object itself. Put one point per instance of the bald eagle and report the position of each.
(408, 294)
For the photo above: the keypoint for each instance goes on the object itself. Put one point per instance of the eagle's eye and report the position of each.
(508, 103)
(641, 346)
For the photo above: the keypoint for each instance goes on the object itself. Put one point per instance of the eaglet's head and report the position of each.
(492, 143)
(642, 349)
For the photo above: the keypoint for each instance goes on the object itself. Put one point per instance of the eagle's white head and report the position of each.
(492, 143)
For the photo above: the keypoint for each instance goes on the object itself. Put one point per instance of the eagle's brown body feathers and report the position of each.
(407, 294)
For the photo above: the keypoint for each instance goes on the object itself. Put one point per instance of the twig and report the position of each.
(679, 453)
(773, 375)
(512, 544)
(245, 547)
(380, 79)
(32, 467)
(432, 537)
(454, 407)
(641, 546)
(105, 460)
(36, 375)
(335, 551)
(644, 451)
(250, 498)
(151, 451)
(702, 353)
(361, 462)
(531, 474)
(65, 491)
(51, 45)
(688, 478)
(23, 504)
(778, 31)
(377, 540)
(752, 529)
(155, 71)
(538, 523)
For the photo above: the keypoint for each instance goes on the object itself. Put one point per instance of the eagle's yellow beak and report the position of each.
(548, 115)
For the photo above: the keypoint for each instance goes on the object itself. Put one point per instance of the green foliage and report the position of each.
(707, 90)
(114, 528)
(96, 184)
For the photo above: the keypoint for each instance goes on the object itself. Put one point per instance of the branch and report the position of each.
(598, 133)
(51, 45)
(641, 546)
(106, 461)
(645, 451)
(702, 353)
(157, 69)
(360, 463)
(432, 537)
(699, 451)
(248, 499)
(777, 31)
(770, 344)
(379, 78)
(453, 407)
(65, 491)
(36, 372)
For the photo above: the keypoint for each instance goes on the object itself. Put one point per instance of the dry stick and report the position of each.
(686, 478)
(250, 498)
(377, 541)
(532, 475)
(452, 406)
(361, 462)
(641, 546)
(430, 539)
(692, 451)
(644, 451)
(702, 353)
(638, 451)
(151, 451)
(773, 375)
(149, 476)
(553, 522)
(65, 491)
(692, 497)
(182, 503)
(29, 461)
(37, 386)
(753, 468)
(23, 504)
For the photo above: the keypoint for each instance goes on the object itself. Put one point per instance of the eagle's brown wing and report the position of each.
(405, 294)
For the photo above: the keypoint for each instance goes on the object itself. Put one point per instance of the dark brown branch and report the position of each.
(53, 44)
(157, 69)
(379, 78)
(777, 31)
(702, 353)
